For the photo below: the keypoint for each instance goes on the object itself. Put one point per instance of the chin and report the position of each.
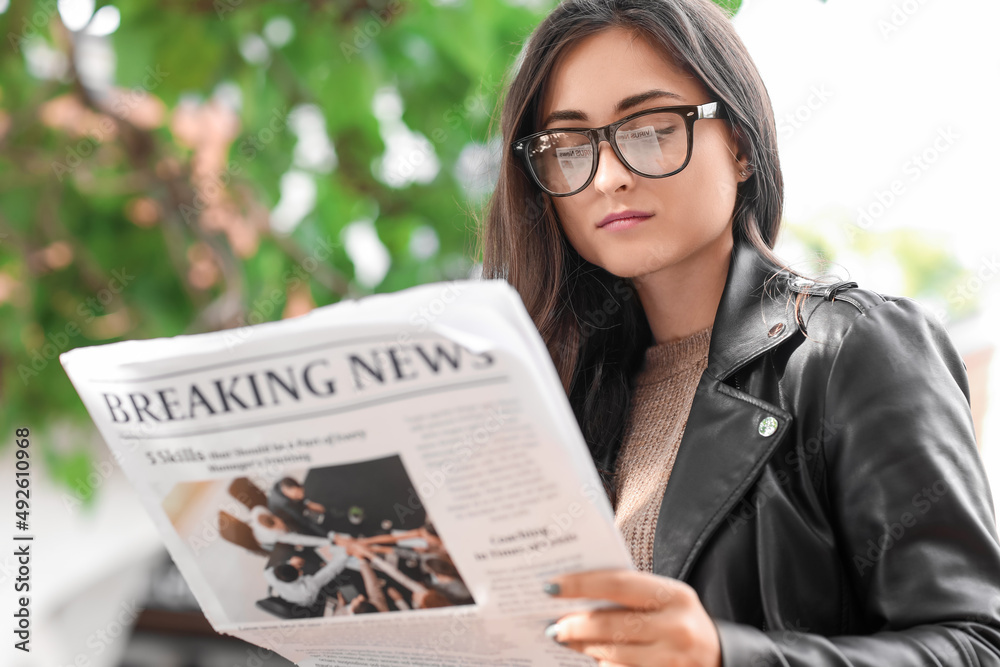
(625, 267)
(642, 262)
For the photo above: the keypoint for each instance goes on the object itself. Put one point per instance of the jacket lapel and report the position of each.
(729, 434)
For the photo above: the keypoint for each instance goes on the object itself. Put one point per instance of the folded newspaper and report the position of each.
(386, 481)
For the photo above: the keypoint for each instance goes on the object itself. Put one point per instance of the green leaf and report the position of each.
(731, 6)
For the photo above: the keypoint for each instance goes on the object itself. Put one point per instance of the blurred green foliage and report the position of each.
(136, 206)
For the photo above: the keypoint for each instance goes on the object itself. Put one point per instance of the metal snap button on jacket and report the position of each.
(767, 426)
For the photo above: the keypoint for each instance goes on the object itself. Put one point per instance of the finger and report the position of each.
(641, 590)
(616, 626)
(617, 655)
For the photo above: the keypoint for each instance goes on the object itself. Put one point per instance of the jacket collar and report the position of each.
(729, 435)
(754, 313)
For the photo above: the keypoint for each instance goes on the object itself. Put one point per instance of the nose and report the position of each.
(611, 173)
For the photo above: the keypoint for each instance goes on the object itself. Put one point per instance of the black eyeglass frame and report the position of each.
(689, 112)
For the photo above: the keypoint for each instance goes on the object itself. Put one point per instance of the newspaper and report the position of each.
(384, 481)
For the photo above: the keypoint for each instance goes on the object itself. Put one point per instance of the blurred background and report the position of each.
(191, 165)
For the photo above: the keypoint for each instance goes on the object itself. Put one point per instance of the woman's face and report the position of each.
(689, 213)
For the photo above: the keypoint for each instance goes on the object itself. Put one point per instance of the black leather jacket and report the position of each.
(828, 502)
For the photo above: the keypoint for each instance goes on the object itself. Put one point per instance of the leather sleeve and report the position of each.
(910, 505)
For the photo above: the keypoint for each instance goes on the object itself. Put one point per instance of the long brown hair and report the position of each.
(592, 321)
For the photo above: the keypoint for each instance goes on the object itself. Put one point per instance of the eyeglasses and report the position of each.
(654, 143)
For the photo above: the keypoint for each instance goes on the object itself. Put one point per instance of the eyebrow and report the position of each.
(622, 106)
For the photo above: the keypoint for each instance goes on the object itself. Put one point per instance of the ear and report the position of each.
(740, 148)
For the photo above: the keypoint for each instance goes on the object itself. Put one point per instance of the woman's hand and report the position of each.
(663, 622)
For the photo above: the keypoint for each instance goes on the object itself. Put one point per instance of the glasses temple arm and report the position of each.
(708, 110)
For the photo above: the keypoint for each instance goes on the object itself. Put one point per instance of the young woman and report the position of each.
(792, 463)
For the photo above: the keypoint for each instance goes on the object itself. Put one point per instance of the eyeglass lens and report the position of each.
(653, 145)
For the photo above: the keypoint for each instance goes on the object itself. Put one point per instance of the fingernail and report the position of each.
(552, 631)
(552, 589)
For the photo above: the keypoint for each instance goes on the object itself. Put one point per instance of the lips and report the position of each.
(635, 216)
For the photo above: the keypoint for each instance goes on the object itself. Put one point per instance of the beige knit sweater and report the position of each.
(660, 407)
